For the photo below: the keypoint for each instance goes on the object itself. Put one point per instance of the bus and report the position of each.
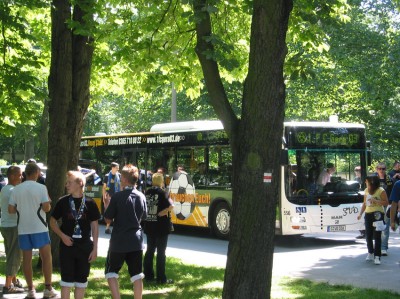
(202, 193)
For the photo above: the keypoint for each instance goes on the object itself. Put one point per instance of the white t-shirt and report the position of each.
(7, 219)
(28, 197)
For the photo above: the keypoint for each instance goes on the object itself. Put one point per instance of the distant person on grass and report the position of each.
(9, 232)
(127, 209)
(79, 215)
(32, 201)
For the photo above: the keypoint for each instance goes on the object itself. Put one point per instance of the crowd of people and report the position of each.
(74, 218)
(380, 205)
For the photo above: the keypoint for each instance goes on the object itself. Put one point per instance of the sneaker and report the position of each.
(168, 281)
(49, 293)
(384, 252)
(377, 260)
(370, 257)
(12, 290)
(18, 284)
(31, 294)
(108, 231)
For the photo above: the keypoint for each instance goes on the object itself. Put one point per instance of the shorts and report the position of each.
(133, 259)
(31, 241)
(13, 253)
(74, 264)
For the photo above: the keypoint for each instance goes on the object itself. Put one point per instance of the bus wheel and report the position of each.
(221, 221)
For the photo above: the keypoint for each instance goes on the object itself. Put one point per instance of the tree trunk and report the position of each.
(44, 133)
(69, 97)
(256, 143)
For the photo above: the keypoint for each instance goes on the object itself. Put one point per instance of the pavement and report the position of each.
(316, 257)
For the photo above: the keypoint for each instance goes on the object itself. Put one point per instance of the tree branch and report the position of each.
(216, 90)
(159, 24)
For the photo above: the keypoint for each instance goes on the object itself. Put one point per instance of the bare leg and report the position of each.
(138, 289)
(27, 267)
(114, 288)
(79, 293)
(65, 292)
(47, 267)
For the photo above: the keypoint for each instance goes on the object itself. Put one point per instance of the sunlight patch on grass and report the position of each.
(213, 285)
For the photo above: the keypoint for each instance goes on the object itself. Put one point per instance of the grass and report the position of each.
(195, 282)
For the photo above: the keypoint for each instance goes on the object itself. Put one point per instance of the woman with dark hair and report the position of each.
(375, 199)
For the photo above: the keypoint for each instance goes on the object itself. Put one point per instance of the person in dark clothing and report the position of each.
(157, 228)
(127, 209)
(79, 215)
(111, 185)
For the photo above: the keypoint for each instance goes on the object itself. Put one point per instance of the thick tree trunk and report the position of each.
(256, 143)
(69, 97)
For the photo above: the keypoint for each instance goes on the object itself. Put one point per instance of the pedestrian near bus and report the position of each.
(111, 185)
(79, 222)
(157, 228)
(32, 202)
(386, 183)
(127, 209)
(375, 199)
(9, 231)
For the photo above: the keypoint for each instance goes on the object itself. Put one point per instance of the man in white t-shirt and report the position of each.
(325, 175)
(32, 201)
(9, 232)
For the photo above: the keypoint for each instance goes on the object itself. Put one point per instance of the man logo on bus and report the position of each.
(182, 192)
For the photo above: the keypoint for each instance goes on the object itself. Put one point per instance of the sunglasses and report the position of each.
(380, 168)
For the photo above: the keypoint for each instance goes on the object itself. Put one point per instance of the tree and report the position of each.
(69, 82)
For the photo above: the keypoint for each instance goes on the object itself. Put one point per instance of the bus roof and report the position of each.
(188, 126)
(323, 124)
(209, 125)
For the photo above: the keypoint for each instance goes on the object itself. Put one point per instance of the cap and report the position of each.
(31, 161)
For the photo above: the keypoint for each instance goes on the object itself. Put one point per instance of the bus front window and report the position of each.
(322, 177)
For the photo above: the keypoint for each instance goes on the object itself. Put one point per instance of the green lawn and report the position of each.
(201, 282)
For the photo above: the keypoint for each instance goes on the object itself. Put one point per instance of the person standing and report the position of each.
(395, 172)
(375, 199)
(111, 185)
(325, 176)
(9, 231)
(79, 215)
(157, 229)
(386, 183)
(32, 201)
(127, 209)
(394, 199)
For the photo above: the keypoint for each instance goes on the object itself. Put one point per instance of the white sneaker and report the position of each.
(384, 252)
(370, 257)
(31, 294)
(49, 293)
(377, 260)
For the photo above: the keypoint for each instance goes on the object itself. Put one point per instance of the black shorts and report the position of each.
(115, 261)
(74, 262)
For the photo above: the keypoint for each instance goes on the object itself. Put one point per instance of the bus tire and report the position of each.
(221, 221)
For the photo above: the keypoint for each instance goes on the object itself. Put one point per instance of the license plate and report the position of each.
(336, 228)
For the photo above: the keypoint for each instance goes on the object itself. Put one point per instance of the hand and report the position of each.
(392, 225)
(358, 217)
(68, 241)
(93, 255)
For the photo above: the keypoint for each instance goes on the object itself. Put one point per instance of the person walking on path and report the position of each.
(111, 185)
(32, 201)
(375, 199)
(127, 209)
(9, 231)
(79, 215)
(157, 228)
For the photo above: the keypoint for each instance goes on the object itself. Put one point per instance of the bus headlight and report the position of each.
(297, 219)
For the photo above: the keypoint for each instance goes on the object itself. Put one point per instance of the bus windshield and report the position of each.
(305, 184)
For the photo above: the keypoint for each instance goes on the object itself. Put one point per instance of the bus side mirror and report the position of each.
(284, 159)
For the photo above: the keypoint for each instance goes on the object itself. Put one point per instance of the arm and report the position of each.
(393, 211)
(46, 206)
(12, 209)
(383, 200)
(95, 235)
(362, 208)
(67, 240)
